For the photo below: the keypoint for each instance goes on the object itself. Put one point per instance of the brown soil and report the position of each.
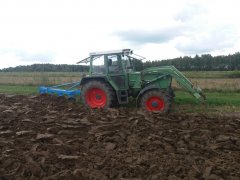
(47, 137)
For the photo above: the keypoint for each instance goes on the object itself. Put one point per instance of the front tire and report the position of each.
(155, 101)
(97, 94)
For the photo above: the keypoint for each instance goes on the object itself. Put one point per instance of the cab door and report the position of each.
(117, 76)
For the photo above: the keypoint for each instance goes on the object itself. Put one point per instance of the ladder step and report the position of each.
(123, 96)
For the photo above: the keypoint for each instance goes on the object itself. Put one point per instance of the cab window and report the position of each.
(98, 65)
(114, 65)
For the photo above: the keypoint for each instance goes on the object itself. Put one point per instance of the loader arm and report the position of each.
(181, 80)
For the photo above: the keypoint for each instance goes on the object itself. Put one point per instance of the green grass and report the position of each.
(182, 97)
(213, 98)
(19, 89)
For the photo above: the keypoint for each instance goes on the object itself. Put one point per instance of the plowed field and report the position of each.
(45, 137)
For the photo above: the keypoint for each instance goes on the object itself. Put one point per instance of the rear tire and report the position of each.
(155, 101)
(96, 94)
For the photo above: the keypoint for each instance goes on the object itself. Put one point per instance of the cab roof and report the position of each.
(123, 51)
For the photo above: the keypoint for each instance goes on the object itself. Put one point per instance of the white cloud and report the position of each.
(65, 31)
(163, 35)
(220, 38)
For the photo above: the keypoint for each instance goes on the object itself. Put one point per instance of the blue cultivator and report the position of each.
(67, 89)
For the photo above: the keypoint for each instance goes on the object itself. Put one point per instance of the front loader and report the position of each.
(112, 80)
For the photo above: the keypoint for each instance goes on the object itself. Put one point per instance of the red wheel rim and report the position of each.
(155, 103)
(96, 98)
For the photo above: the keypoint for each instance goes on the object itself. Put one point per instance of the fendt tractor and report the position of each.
(112, 80)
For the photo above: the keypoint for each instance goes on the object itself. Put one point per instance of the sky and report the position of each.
(65, 31)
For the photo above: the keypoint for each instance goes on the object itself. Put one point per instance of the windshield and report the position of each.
(98, 65)
(127, 61)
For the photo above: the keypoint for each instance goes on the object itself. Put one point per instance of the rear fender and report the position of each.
(98, 78)
(87, 79)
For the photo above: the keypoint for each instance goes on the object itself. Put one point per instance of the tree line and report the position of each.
(204, 62)
(47, 68)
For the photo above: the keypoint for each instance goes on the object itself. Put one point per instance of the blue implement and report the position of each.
(66, 89)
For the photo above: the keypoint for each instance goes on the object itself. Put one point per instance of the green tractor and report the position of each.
(112, 80)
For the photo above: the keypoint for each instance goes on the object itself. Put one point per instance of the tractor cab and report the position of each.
(111, 67)
(110, 62)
